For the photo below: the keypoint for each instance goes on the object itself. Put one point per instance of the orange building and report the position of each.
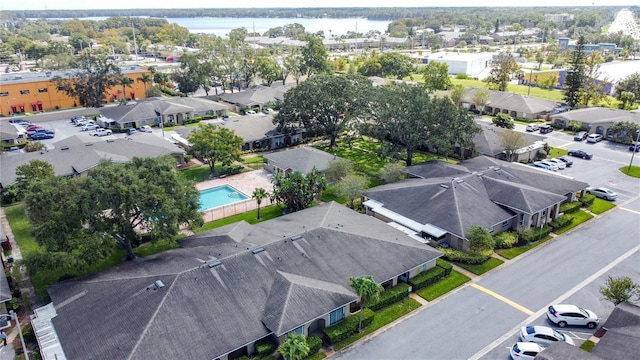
(35, 91)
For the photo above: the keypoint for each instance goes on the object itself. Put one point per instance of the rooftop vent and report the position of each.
(88, 144)
(296, 238)
(159, 284)
(65, 147)
(257, 251)
(288, 234)
(213, 263)
(459, 181)
(479, 174)
(444, 186)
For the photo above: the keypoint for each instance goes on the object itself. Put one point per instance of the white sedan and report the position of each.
(561, 164)
(543, 335)
(565, 314)
(525, 350)
(146, 128)
(602, 193)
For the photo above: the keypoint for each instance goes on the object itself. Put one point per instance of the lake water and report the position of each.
(222, 26)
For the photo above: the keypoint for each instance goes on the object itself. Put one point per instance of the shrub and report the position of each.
(504, 121)
(14, 304)
(265, 347)
(587, 200)
(570, 207)
(390, 296)
(445, 265)
(505, 240)
(314, 343)
(28, 333)
(561, 222)
(532, 235)
(427, 278)
(462, 76)
(465, 257)
(348, 326)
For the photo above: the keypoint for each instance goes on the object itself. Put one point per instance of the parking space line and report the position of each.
(630, 210)
(503, 299)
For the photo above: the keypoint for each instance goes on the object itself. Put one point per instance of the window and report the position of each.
(336, 316)
(299, 330)
(4, 93)
(521, 219)
(505, 224)
(423, 267)
(43, 90)
(24, 92)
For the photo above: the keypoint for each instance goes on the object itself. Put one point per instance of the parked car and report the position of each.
(602, 193)
(532, 127)
(545, 129)
(132, 131)
(89, 127)
(146, 128)
(42, 136)
(541, 165)
(565, 314)
(580, 154)
(634, 146)
(579, 136)
(250, 112)
(559, 163)
(100, 132)
(48, 131)
(525, 350)
(552, 166)
(543, 335)
(32, 127)
(566, 160)
(594, 138)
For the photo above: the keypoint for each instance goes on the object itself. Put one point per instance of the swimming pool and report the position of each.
(219, 196)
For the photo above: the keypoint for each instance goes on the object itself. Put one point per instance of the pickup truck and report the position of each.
(100, 132)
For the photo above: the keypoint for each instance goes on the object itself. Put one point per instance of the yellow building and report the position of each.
(35, 91)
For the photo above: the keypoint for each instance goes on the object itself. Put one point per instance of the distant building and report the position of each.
(471, 64)
(605, 48)
(558, 17)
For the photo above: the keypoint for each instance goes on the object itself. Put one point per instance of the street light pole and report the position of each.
(13, 316)
(635, 148)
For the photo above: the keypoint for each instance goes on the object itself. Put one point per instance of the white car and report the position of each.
(250, 112)
(525, 350)
(594, 138)
(559, 163)
(532, 127)
(552, 166)
(565, 314)
(602, 193)
(543, 335)
(89, 127)
(146, 128)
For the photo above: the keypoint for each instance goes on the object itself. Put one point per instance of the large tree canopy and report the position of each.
(216, 144)
(122, 201)
(93, 76)
(325, 104)
(297, 190)
(436, 76)
(502, 67)
(573, 83)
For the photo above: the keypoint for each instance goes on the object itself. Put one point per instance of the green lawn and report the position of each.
(578, 218)
(515, 251)
(330, 194)
(480, 269)
(383, 317)
(634, 171)
(557, 152)
(555, 95)
(266, 213)
(454, 280)
(599, 206)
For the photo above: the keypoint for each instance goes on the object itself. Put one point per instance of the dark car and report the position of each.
(580, 154)
(582, 135)
(634, 146)
(566, 160)
(41, 136)
(545, 129)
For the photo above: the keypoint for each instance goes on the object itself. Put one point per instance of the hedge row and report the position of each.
(505, 240)
(587, 200)
(427, 278)
(348, 326)
(445, 265)
(314, 343)
(265, 347)
(561, 221)
(532, 235)
(390, 296)
(465, 257)
(570, 207)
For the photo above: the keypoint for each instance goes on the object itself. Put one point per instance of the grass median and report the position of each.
(451, 282)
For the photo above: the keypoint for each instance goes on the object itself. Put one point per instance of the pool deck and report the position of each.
(246, 183)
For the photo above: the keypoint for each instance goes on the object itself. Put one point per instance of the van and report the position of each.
(594, 138)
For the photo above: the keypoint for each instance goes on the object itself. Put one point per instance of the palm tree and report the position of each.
(259, 194)
(125, 81)
(367, 289)
(294, 347)
(145, 79)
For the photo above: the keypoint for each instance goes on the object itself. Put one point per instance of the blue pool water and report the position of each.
(222, 195)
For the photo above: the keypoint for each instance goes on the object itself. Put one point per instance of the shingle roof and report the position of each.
(221, 306)
(515, 102)
(256, 95)
(487, 142)
(560, 350)
(596, 115)
(302, 159)
(622, 339)
(249, 128)
(153, 107)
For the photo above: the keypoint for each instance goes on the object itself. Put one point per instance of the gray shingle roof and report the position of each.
(302, 159)
(256, 95)
(487, 142)
(622, 339)
(249, 128)
(514, 102)
(596, 115)
(563, 351)
(204, 312)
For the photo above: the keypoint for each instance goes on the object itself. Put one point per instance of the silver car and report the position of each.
(602, 193)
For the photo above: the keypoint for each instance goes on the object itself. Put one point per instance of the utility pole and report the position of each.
(135, 45)
(356, 38)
